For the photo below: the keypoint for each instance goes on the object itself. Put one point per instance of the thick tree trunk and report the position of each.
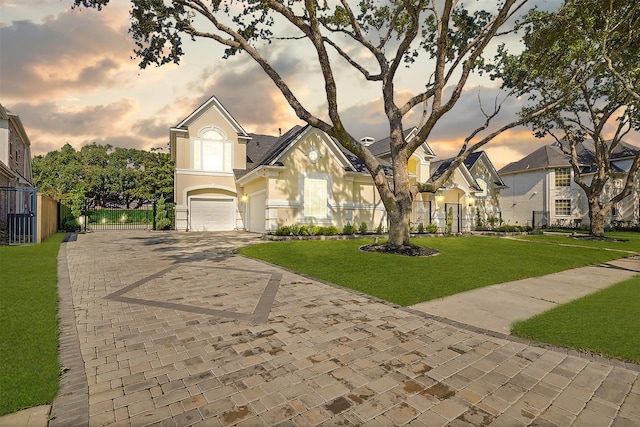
(597, 215)
(400, 212)
(399, 224)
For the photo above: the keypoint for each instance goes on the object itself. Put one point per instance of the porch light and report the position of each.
(471, 200)
(439, 198)
(244, 198)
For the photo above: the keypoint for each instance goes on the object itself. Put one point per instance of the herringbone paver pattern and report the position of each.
(174, 329)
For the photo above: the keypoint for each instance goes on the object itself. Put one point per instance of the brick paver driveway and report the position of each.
(174, 329)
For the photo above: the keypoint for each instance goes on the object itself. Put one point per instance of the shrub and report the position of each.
(449, 223)
(420, 228)
(513, 228)
(313, 229)
(328, 231)
(294, 229)
(379, 229)
(494, 220)
(285, 230)
(348, 229)
(162, 222)
(479, 222)
(431, 228)
(363, 228)
(71, 224)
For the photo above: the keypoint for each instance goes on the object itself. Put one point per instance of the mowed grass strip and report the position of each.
(605, 323)
(464, 263)
(620, 240)
(29, 368)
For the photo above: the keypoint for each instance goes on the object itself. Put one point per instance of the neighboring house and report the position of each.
(15, 152)
(17, 195)
(491, 185)
(541, 190)
(480, 176)
(227, 179)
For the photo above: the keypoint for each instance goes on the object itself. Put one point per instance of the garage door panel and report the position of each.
(212, 215)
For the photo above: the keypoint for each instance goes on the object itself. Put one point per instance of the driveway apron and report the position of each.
(175, 329)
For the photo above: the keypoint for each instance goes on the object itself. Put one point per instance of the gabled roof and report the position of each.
(17, 123)
(5, 169)
(477, 156)
(382, 147)
(556, 155)
(258, 147)
(287, 139)
(441, 166)
(266, 150)
(544, 157)
(359, 166)
(212, 102)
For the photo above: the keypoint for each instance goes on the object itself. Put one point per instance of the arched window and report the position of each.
(212, 151)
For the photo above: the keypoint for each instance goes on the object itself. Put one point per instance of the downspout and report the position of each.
(545, 195)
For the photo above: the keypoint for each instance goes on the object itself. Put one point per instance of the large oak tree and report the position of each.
(588, 53)
(444, 39)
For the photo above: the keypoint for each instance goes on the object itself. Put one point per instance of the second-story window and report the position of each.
(563, 177)
(212, 151)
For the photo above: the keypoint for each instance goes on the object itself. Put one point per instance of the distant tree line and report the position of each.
(105, 175)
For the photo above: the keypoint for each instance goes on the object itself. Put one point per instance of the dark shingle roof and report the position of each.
(440, 166)
(557, 155)
(383, 146)
(472, 159)
(278, 145)
(543, 157)
(264, 149)
(359, 166)
(258, 146)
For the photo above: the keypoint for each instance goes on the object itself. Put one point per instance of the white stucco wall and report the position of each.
(524, 194)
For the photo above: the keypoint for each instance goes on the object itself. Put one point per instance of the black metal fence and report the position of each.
(119, 218)
(540, 219)
(111, 217)
(18, 207)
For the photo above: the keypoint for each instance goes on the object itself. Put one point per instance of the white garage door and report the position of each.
(212, 215)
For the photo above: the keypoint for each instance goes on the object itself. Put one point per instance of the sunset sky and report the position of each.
(70, 76)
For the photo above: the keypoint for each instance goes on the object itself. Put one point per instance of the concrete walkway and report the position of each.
(496, 307)
(175, 329)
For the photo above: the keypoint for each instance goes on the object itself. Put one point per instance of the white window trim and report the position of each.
(315, 188)
(555, 206)
(227, 150)
(555, 177)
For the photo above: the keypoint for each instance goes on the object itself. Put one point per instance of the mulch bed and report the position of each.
(407, 250)
(599, 238)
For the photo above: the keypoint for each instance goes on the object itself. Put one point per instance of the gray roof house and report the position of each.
(541, 190)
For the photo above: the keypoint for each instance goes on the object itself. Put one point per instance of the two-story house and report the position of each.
(227, 179)
(541, 190)
(17, 195)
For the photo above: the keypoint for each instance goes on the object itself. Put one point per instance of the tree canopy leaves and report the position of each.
(105, 175)
(586, 54)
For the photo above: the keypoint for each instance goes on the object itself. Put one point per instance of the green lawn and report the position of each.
(464, 263)
(605, 323)
(626, 241)
(29, 369)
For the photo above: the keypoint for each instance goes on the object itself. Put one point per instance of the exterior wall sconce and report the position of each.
(440, 198)
(244, 198)
(471, 200)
